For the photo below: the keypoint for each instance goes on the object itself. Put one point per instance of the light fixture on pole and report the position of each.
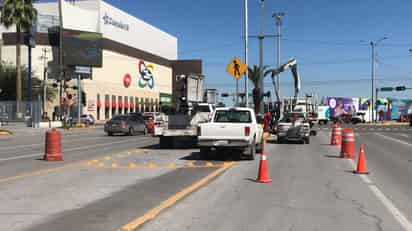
(373, 100)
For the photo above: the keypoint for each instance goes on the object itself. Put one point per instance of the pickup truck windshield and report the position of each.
(232, 117)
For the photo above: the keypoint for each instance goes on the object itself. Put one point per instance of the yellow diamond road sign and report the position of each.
(236, 68)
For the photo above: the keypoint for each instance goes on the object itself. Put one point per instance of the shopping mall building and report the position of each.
(138, 60)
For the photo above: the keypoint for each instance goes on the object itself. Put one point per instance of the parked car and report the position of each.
(87, 119)
(410, 120)
(130, 124)
(358, 117)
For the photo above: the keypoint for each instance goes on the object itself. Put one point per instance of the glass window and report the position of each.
(232, 116)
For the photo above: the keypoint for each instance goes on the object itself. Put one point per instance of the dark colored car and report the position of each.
(410, 120)
(131, 124)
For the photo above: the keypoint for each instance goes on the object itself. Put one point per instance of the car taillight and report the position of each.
(123, 124)
(158, 123)
(199, 131)
(247, 131)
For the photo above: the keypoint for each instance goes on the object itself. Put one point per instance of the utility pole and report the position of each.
(373, 58)
(246, 31)
(61, 74)
(373, 81)
(278, 17)
(44, 58)
(261, 37)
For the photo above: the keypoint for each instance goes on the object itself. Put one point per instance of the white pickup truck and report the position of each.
(231, 129)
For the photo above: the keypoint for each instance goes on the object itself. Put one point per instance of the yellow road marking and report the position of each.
(154, 212)
(114, 165)
(49, 170)
(151, 165)
(190, 165)
(108, 158)
(172, 165)
(132, 165)
(209, 164)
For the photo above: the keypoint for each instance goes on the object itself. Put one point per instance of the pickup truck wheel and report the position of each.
(259, 147)
(251, 151)
(307, 140)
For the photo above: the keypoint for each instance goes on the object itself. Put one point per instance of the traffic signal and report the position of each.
(386, 89)
(400, 88)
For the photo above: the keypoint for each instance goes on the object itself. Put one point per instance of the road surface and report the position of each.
(127, 183)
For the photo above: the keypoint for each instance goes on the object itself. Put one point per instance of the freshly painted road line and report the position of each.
(397, 214)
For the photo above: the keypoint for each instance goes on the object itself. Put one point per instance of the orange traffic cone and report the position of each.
(361, 168)
(263, 176)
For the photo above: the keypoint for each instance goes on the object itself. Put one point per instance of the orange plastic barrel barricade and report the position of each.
(53, 149)
(348, 144)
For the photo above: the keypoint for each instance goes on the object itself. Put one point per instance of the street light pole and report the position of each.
(278, 18)
(373, 81)
(246, 31)
(261, 38)
(373, 58)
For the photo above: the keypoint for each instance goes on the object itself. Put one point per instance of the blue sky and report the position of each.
(324, 36)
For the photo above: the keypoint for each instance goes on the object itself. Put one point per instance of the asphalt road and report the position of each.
(312, 189)
(23, 153)
(131, 184)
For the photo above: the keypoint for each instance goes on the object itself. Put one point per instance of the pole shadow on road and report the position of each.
(214, 156)
(332, 156)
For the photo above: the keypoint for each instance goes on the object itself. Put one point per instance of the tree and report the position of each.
(8, 84)
(255, 75)
(23, 15)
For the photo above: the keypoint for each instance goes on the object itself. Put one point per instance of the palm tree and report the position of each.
(255, 75)
(22, 14)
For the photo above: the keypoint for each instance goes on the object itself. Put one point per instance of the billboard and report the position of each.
(81, 48)
(400, 107)
(340, 106)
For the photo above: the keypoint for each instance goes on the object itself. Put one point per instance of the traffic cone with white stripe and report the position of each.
(263, 176)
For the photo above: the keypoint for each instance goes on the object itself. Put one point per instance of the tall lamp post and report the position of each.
(261, 37)
(278, 17)
(246, 31)
(373, 61)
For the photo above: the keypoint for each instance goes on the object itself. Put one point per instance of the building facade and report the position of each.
(138, 59)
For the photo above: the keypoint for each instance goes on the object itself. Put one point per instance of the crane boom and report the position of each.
(293, 66)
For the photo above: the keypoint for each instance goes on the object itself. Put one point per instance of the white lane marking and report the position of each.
(65, 150)
(404, 135)
(397, 214)
(41, 143)
(393, 139)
